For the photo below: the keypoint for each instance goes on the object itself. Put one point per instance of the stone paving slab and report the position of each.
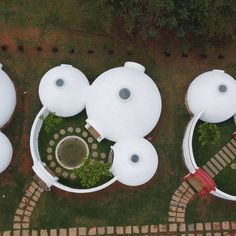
(53, 232)
(232, 148)
(209, 172)
(229, 153)
(226, 158)
(216, 163)
(220, 159)
(212, 168)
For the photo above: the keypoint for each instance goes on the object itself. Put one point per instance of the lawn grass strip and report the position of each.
(229, 153)
(226, 158)
(216, 163)
(221, 160)
(232, 148)
(209, 172)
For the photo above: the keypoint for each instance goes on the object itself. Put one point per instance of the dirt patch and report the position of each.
(26, 163)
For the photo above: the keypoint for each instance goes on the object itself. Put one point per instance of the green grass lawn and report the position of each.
(63, 24)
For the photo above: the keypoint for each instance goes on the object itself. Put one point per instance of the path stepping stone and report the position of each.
(62, 131)
(58, 170)
(233, 141)
(216, 163)
(51, 142)
(72, 176)
(56, 136)
(52, 164)
(95, 154)
(209, 172)
(90, 139)
(77, 130)
(212, 168)
(94, 146)
(220, 159)
(49, 157)
(65, 174)
(85, 134)
(49, 150)
(226, 158)
(229, 153)
(103, 155)
(233, 166)
(70, 129)
(232, 148)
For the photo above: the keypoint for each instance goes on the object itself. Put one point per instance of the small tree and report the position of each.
(208, 133)
(51, 121)
(90, 174)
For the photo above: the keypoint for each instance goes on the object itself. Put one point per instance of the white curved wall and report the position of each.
(189, 157)
(219, 193)
(187, 144)
(39, 166)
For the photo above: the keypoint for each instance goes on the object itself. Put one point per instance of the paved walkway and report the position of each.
(185, 192)
(171, 229)
(26, 206)
(221, 159)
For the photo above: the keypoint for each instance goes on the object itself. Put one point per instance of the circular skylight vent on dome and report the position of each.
(60, 82)
(222, 88)
(134, 158)
(124, 93)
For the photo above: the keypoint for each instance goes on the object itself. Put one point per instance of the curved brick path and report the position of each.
(185, 192)
(26, 206)
(171, 229)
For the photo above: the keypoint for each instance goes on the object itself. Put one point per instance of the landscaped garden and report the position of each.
(67, 148)
(35, 39)
(225, 180)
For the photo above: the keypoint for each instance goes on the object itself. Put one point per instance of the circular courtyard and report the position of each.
(66, 148)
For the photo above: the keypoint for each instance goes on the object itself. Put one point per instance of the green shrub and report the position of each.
(51, 121)
(91, 173)
(208, 134)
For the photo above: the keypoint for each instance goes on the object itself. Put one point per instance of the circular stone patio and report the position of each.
(56, 166)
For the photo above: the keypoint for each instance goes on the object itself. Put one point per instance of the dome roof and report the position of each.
(213, 92)
(122, 102)
(135, 161)
(6, 152)
(7, 98)
(62, 90)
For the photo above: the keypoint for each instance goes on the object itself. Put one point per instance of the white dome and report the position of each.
(123, 102)
(7, 98)
(6, 152)
(135, 161)
(62, 90)
(213, 92)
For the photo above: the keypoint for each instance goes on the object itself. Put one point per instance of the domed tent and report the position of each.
(7, 98)
(214, 93)
(123, 102)
(62, 90)
(6, 152)
(135, 161)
